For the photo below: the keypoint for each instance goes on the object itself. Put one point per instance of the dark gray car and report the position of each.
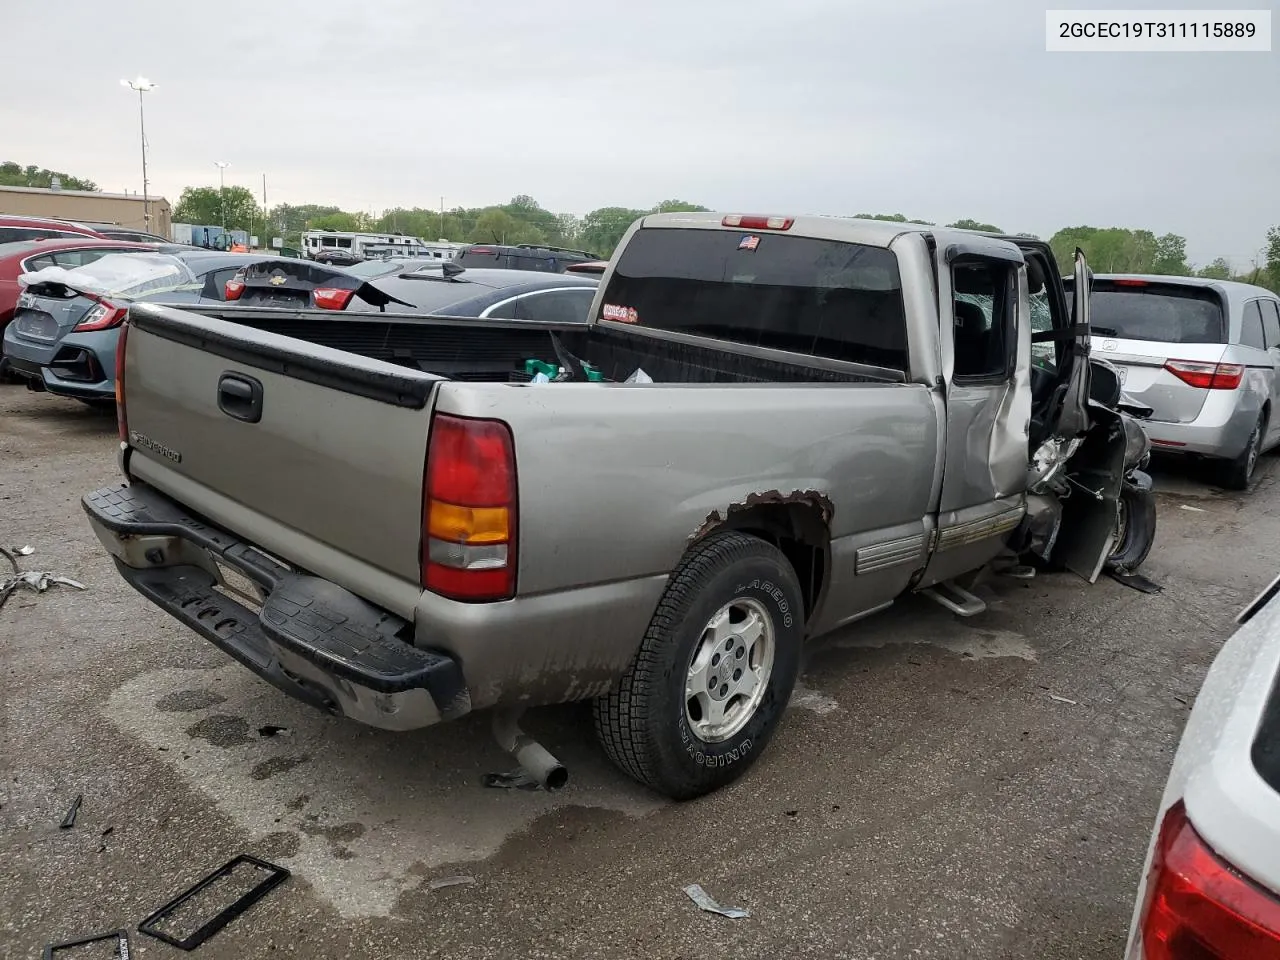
(66, 325)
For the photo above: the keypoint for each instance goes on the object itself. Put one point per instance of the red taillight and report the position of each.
(332, 298)
(469, 510)
(103, 316)
(484, 250)
(1198, 907)
(122, 421)
(1130, 283)
(758, 223)
(233, 289)
(1208, 376)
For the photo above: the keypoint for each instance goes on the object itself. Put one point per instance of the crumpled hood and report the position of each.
(115, 275)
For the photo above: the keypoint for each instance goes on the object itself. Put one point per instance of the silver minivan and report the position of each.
(1204, 355)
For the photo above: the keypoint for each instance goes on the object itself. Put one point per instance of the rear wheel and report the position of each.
(714, 672)
(1237, 473)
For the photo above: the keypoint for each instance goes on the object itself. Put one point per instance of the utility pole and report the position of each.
(142, 85)
(442, 218)
(222, 189)
(264, 240)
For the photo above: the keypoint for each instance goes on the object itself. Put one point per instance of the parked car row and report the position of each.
(63, 299)
(13, 229)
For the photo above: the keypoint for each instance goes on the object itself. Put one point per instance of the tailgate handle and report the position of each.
(240, 397)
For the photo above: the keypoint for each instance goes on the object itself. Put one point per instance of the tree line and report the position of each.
(524, 220)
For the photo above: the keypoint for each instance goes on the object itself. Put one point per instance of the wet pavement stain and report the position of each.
(297, 803)
(187, 701)
(269, 768)
(221, 730)
(281, 845)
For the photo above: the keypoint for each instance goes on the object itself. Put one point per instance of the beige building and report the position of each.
(126, 210)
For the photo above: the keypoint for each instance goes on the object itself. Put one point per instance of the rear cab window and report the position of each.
(1155, 311)
(824, 298)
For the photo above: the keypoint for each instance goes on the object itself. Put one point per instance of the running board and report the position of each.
(955, 598)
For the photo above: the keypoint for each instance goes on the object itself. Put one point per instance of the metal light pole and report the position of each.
(142, 85)
(222, 189)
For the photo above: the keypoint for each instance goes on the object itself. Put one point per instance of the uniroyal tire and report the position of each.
(645, 723)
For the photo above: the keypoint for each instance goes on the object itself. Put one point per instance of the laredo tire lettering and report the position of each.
(642, 723)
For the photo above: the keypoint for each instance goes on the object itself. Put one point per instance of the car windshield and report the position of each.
(120, 275)
(1160, 312)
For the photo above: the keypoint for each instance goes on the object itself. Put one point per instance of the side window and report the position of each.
(558, 306)
(1271, 322)
(1251, 326)
(983, 308)
(38, 263)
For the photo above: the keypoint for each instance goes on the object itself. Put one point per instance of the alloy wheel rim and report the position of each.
(729, 670)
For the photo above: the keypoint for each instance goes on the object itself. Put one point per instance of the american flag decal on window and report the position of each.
(748, 243)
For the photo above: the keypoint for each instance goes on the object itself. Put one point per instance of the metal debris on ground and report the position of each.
(121, 938)
(154, 925)
(514, 780)
(1136, 581)
(69, 820)
(1054, 696)
(441, 882)
(705, 902)
(36, 580)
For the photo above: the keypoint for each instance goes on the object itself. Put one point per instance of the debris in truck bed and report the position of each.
(69, 820)
(705, 902)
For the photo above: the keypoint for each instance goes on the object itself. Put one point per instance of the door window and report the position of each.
(1271, 322)
(1251, 326)
(983, 326)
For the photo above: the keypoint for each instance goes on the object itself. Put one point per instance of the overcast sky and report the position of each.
(932, 108)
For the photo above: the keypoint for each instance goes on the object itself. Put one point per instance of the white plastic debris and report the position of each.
(24, 551)
(1054, 696)
(705, 902)
(1187, 506)
(540, 377)
(639, 376)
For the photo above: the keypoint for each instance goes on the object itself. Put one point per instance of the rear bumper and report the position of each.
(311, 639)
(75, 366)
(1221, 430)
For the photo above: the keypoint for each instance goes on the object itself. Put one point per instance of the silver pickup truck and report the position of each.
(397, 520)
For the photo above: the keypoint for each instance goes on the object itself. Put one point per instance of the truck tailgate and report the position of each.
(326, 443)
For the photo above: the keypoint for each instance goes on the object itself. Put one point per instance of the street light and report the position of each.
(222, 189)
(142, 85)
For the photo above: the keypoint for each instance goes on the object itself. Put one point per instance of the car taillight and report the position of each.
(1198, 907)
(758, 223)
(122, 420)
(233, 288)
(469, 510)
(332, 298)
(1122, 282)
(103, 316)
(1208, 376)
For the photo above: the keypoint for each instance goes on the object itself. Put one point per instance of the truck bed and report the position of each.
(495, 351)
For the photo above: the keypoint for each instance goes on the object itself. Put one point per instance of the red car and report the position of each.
(14, 229)
(30, 255)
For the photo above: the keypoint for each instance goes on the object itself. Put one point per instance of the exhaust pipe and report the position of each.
(532, 756)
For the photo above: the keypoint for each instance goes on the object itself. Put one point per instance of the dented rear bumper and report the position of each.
(306, 636)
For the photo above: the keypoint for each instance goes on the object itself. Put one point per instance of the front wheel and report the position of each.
(713, 675)
(1135, 525)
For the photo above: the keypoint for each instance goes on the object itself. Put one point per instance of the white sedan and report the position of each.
(1211, 884)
